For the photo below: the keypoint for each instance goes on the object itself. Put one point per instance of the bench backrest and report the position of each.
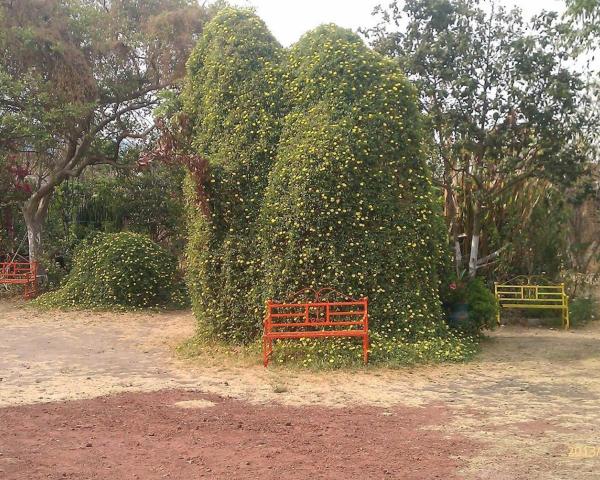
(530, 294)
(18, 271)
(318, 315)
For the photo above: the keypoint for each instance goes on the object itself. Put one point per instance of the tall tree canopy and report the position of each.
(500, 99)
(585, 16)
(78, 81)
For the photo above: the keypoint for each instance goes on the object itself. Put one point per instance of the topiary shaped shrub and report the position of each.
(121, 270)
(233, 98)
(349, 202)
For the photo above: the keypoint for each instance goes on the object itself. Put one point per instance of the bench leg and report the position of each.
(267, 350)
(27, 291)
(565, 318)
(366, 349)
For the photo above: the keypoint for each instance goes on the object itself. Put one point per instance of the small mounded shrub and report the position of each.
(482, 305)
(483, 308)
(119, 271)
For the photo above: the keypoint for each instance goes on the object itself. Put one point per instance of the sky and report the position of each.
(289, 19)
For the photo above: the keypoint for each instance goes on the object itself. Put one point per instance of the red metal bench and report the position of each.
(317, 318)
(20, 273)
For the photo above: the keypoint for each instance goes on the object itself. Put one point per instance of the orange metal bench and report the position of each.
(317, 318)
(20, 273)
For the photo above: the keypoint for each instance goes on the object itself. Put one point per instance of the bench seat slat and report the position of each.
(303, 314)
(527, 301)
(316, 324)
(316, 304)
(557, 306)
(318, 333)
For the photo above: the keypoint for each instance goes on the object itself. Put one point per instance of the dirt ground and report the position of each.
(98, 395)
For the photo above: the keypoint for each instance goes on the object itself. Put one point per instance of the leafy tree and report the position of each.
(14, 190)
(585, 19)
(233, 100)
(349, 202)
(502, 105)
(79, 79)
(148, 201)
(534, 217)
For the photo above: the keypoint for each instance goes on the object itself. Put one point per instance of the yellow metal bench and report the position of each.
(533, 296)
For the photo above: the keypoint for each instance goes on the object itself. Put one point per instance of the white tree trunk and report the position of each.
(474, 254)
(34, 237)
(35, 211)
(457, 256)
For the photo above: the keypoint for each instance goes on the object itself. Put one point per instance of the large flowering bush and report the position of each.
(316, 178)
(349, 202)
(233, 98)
(119, 271)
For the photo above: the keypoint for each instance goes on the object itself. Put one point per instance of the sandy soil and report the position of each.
(527, 408)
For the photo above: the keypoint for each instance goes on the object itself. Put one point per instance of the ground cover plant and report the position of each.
(331, 354)
(118, 271)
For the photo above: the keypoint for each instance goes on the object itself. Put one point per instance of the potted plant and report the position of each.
(470, 305)
(457, 304)
(454, 295)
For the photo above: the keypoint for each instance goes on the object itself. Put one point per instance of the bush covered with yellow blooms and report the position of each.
(119, 271)
(349, 202)
(233, 98)
(317, 177)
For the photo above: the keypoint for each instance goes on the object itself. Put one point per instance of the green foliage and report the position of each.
(584, 17)
(482, 308)
(454, 289)
(79, 80)
(481, 302)
(118, 271)
(349, 202)
(333, 353)
(334, 145)
(534, 219)
(233, 98)
(503, 105)
(583, 310)
(148, 201)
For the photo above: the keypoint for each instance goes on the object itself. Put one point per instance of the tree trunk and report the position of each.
(474, 255)
(451, 214)
(34, 236)
(35, 211)
(457, 255)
